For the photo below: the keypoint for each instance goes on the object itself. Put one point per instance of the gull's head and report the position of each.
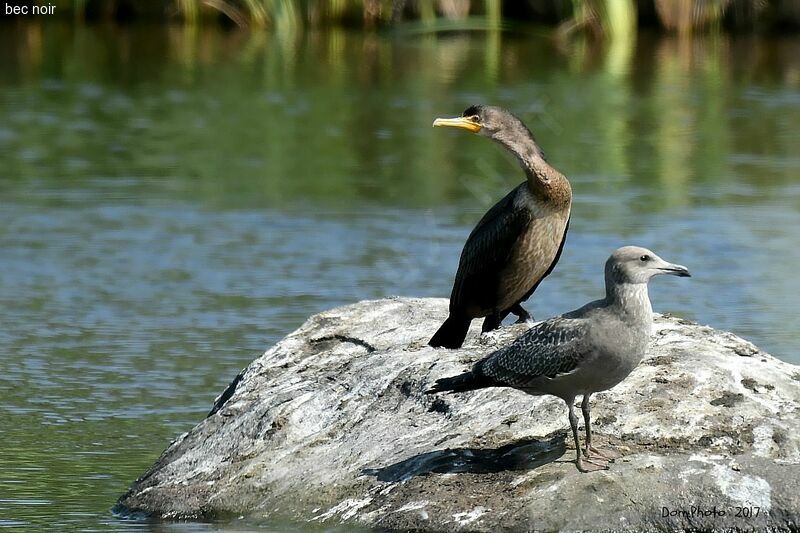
(633, 264)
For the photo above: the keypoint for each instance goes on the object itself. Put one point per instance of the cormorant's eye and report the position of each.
(645, 258)
(475, 118)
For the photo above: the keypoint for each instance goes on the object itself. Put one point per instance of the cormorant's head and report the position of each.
(632, 264)
(500, 126)
(486, 120)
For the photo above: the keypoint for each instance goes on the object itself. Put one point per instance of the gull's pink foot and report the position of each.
(606, 455)
(588, 465)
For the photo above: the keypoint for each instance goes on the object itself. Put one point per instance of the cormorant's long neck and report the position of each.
(543, 179)
(631, 300)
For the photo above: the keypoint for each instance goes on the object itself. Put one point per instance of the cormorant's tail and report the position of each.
(452, 333)
(464, 382)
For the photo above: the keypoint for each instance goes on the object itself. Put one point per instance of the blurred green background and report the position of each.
(174, 198)
(600, 17)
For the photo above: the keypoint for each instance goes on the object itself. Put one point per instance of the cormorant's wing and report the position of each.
(548, 349)
(486, 252)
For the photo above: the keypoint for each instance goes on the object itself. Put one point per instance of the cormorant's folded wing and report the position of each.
(486, 252)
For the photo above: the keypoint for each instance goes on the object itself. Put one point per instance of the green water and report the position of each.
(174, 201)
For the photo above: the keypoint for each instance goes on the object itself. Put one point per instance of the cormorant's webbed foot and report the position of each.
(489, 337)
(523, 317)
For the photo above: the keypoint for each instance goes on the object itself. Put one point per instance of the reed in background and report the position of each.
(602, 18)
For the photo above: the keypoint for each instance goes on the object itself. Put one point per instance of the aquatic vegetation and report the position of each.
(603, 18)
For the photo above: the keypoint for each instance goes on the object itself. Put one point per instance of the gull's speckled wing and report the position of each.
(550, 348)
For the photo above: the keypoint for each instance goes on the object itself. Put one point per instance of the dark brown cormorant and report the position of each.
(582, 352)
(517, 242)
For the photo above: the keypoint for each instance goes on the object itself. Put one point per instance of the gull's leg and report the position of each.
(523, 317)
(579, 461)
(605, 455)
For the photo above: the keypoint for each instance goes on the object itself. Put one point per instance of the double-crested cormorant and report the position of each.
(517, 242)
(585, 351)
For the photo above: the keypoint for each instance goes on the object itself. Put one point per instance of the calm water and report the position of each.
(173, 202)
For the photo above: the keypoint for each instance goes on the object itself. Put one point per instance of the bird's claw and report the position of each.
(489, 337)
(605, 455)
(595, 466)
(525, 318)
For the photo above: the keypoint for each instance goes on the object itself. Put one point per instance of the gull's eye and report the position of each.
(644, 258)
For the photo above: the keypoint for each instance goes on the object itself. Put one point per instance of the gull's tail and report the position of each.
(464, 382)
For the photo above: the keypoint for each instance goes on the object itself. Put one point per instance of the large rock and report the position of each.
(331, 425)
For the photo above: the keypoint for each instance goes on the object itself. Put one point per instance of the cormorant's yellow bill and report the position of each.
(465, 123)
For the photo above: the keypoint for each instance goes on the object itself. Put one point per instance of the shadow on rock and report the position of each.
(525, 454)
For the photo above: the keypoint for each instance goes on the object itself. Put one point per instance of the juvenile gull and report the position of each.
(581, 352)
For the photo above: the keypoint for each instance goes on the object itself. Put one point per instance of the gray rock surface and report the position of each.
(331, 426)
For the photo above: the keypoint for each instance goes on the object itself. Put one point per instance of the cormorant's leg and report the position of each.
(489, 328)
(493, 321)
(522, 315)
(591, 450)
(573, 422)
